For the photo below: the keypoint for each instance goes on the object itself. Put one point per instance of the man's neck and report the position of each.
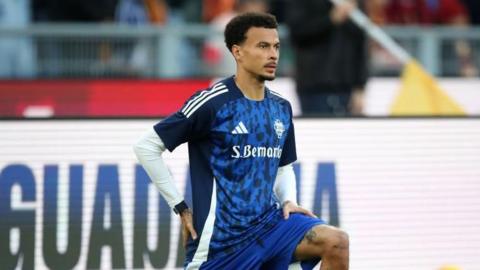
(251, 87)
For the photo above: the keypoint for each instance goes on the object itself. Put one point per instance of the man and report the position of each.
(241, 146)
(331, 56)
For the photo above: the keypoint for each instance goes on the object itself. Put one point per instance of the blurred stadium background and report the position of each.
(81, 80)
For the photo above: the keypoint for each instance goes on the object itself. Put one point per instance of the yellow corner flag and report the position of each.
(450, 267)
(420, 95)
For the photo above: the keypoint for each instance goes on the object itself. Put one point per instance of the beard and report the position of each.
(263, 78)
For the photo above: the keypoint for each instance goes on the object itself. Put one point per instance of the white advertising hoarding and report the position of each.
(380, 94)
(406, 190)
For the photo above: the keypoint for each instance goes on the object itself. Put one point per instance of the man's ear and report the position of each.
(236, 51)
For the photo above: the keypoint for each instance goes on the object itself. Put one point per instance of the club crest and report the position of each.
(279, 128)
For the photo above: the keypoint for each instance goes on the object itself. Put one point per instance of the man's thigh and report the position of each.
(282, 242)
(316, 241)
(273, 250)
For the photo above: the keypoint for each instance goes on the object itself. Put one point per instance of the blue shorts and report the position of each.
(273, 250)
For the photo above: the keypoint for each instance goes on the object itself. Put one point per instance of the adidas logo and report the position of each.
(240, 129)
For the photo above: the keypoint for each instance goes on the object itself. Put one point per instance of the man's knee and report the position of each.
(331, 241)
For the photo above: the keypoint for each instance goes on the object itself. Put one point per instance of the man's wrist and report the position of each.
(180, 208)
(287, 202)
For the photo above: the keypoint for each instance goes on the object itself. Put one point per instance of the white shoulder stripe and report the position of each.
(276, 94)
(202, 95)
(192, 105)
(195, 107)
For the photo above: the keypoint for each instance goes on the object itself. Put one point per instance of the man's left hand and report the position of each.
(291, 207)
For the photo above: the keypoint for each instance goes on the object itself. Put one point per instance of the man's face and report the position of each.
(259, 53)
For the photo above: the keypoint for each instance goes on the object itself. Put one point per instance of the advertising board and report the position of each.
(406, 190)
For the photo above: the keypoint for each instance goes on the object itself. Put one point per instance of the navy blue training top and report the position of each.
(235, 148)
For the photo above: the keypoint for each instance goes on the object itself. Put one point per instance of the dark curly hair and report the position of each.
(236, 29)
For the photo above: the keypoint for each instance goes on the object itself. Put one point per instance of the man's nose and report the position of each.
(273, 54)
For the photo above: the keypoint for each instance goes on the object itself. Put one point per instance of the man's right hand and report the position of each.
(340, 13)
(187, 226)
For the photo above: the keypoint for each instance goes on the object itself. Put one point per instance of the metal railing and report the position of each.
(442, 50)
(109, 50)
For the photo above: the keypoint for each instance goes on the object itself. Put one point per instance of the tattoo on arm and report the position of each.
(310, 236)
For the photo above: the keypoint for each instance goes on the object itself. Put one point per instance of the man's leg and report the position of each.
(325, 242)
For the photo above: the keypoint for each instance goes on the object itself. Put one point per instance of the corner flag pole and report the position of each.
(377, 34)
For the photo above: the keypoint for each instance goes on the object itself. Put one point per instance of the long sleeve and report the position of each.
(285, 186)
(149, 149)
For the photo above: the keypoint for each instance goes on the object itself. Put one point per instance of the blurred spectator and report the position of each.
(213, 8)
(450, 12)
(331, 56)
(131, 58)
(215, 54)
(192, 10)
(473, 8)
(16, 53)
(55, 55)
(440, 12)
(156, 10)
(134, 12)
(178, 53)
(40, 10)
(375, 9)
(75, 10)
(277, 8)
